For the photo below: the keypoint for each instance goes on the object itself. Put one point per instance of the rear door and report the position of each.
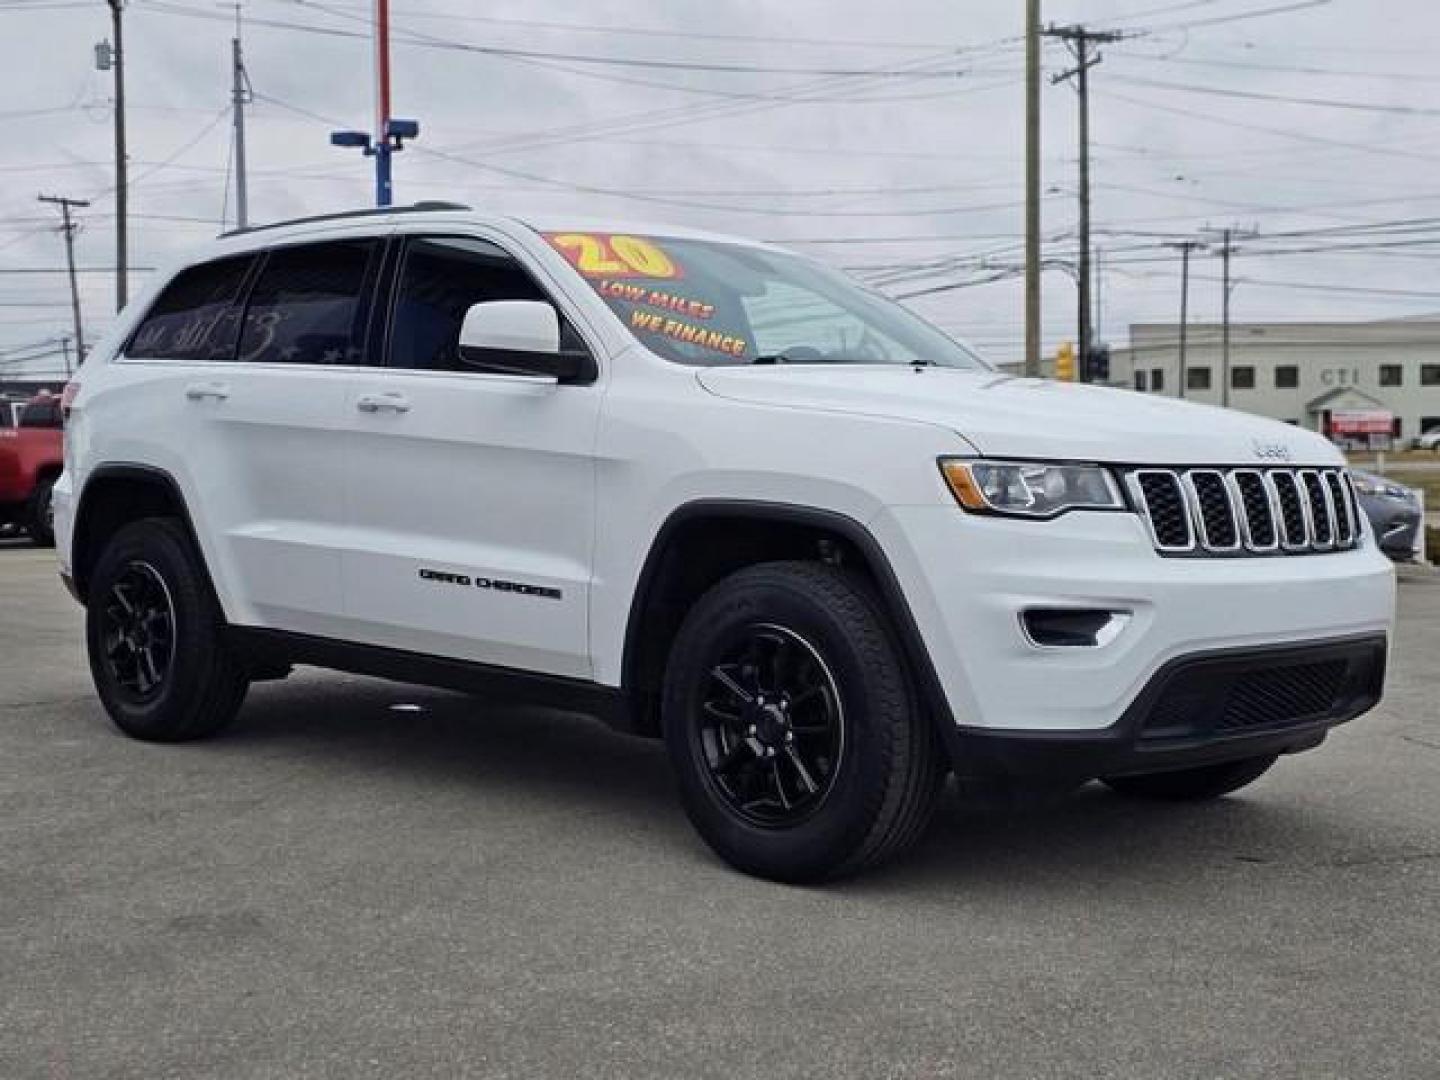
(255, 352)
(470, 491)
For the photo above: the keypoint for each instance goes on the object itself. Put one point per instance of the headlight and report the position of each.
(1030, 489)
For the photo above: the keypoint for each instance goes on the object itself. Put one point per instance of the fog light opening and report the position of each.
(1072, 628)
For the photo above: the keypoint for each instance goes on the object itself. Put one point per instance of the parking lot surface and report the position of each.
(365, 879)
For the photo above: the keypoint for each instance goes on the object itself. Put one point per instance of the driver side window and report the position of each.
(440, 278)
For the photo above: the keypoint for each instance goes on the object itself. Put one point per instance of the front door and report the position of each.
(470, 493)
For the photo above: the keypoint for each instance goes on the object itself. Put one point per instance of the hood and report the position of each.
(1003, 416)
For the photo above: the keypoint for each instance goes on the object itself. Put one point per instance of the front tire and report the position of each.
(1193, 785)
(800, 750)
(154, 633)
(40, 514)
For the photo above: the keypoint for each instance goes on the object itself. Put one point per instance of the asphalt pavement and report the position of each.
(364, 879)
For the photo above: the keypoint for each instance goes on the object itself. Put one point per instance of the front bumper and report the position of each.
(969, 579)
(1199, 710)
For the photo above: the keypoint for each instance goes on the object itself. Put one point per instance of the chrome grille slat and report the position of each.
(1246, 511)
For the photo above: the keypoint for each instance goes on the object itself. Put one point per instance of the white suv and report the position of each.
(709, 490)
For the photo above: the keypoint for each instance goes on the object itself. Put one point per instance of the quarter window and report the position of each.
(309, 305)
(439, 281)
(1287, 377)
(197, 317)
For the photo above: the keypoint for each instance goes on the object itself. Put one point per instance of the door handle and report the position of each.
(200, 391)
(374, 403)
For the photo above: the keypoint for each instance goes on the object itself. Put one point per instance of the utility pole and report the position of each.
(67, 229)
(1185, 247)
(1080, 40)
(121, 283)
(1227, 248)
(1032, 189)
(240, 96)
(65, 351)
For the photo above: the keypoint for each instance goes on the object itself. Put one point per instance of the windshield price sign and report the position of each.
(601, 255)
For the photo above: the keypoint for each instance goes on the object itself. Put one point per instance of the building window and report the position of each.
(1157, 380)
(1430, 374)
(1242, 378)
(1140, 381)
(1392, 375)
(1397, 428)
(1429, 423)
(1287, 377)
(1197, 378)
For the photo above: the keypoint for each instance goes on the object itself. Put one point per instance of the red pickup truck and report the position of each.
(31, 457)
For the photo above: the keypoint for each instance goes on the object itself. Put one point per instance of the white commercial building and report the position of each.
(1336, 378)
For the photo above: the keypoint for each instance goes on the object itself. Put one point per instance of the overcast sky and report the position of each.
(767, 119)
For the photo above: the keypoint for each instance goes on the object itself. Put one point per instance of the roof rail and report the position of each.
(342, 215)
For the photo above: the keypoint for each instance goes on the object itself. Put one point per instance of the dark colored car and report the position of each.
(1394, 513)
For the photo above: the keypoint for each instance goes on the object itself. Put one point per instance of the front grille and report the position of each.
(1246, 511)
(1265, 690)
(1282, 695)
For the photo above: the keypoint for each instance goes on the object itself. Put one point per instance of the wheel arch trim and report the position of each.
(148, 474)
(891, 594)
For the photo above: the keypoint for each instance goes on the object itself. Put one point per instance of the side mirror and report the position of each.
(520, 337)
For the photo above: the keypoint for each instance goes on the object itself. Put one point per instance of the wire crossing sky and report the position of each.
(882, 138)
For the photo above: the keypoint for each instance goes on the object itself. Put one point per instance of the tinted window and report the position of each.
(1197, 378)
(1287, 377)
(196, 317)
(309, 305)
(440, 278)
(41, 414)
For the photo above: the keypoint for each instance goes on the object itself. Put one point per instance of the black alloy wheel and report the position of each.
(137, 619)
(800, 748)
(156, 638)
(772, 726)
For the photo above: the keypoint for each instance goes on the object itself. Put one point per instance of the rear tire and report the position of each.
(1193, 785)
(40, 514)
(799, 746)
(155, 636)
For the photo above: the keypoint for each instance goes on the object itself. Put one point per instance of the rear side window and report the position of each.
(197, 317)
(309, 305)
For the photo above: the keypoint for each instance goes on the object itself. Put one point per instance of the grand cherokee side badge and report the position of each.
(445, 577)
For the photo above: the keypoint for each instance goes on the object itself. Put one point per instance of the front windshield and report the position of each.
(709, 304)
